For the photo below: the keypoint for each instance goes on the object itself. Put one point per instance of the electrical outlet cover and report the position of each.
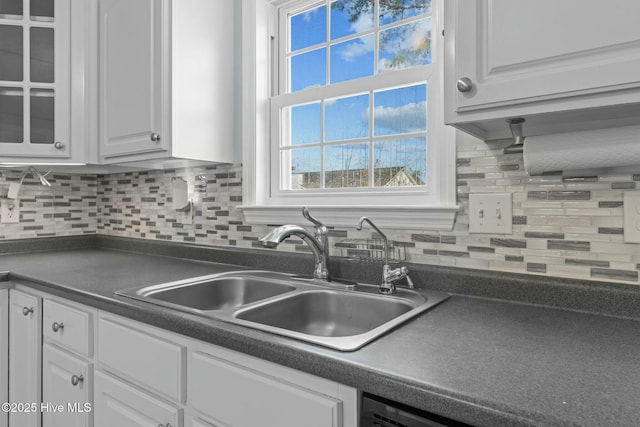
(490, 213)
(10, 211)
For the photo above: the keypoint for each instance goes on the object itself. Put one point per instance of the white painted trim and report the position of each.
(400, 217)
(258, 23)
(433, 210)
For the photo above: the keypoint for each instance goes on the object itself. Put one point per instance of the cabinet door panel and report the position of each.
(117, 404)
(4, 352)
(240, 397)
(146, 355)
(68, 403)
(131, 62)
(516, 52)
(25, 356)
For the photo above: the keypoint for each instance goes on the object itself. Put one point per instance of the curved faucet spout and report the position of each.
(384, 236)
(389, 275)
(279, 234)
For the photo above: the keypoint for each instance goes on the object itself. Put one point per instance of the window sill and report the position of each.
(399, 217)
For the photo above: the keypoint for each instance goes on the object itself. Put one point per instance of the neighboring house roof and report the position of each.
(393, 176)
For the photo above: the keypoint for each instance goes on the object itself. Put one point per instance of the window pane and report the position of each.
(308, 69)
(41, 8)
(11, 53)
(405, 45)
(42, 116)
(305, 124)
(11, 115)
(402, 110)
(347, 118)
(42, 52)
(304, 166)
(352, 59)
(308, 28)
(347, 166)
(11, 7)
(396, 10)
(400, 162)
(350, 17)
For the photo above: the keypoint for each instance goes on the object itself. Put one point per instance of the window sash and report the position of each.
(383, 81)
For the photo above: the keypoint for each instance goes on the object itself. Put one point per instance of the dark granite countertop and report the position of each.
(482, 361)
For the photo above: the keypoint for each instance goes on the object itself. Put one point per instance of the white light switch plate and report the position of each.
(9, 211)
(632, 217)
(490, 213)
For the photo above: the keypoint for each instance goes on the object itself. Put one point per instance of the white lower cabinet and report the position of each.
(25, 363)
(122, 405)
(50, 373)
(223, 388)
(4, 353)
(67, 387)
(241, 397)
(140, 375)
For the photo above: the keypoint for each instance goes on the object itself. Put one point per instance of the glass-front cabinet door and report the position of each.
(34, 78)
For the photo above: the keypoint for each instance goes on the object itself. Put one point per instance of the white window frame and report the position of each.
(432, 207)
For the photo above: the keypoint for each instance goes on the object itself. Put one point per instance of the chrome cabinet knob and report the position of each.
(164, 425)
(57, 326)
(155, 137)
(75, 380)
(58, 145)
(27, 310)
(464, 84)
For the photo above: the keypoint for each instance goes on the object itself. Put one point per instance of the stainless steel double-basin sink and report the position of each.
(309, 310)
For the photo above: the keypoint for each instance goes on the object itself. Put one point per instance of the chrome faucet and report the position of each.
(318, 242)
(389, 276)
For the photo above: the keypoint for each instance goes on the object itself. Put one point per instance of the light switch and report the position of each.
(632, 217)
(490, 213)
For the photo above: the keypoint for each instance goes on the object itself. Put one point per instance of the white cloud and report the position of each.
(410, 117)
(352, 50)
(363, 23)
(309, 14)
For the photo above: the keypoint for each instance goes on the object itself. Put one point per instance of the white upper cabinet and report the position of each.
(562, 65)
(166, 84)
(42, 51)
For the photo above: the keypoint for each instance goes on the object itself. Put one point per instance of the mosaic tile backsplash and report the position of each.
(569, 226)
(68, 207)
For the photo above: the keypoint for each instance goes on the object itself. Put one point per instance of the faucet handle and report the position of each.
(307, 215)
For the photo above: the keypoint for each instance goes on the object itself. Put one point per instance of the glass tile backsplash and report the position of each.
(569, 226)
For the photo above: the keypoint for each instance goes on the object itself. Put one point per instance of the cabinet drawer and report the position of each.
(67, 381)
(240, 397)
(117, 404)
(68, 327)
(142, 358)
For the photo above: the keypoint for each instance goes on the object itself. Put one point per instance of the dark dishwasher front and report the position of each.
(379, 412)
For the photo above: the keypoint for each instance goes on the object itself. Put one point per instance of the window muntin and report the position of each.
(369, 140)
(341, 41)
